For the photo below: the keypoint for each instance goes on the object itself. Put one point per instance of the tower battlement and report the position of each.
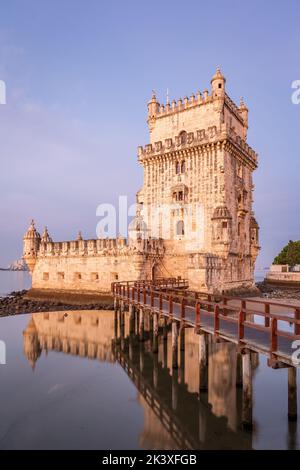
(201, 138)
(203, 110)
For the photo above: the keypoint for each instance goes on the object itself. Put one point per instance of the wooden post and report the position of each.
(155, 371)
(183, 308)
(247, 391)
(224, 301)
(165, 352)
(122, 317)
(182, 354)
(202, 422)
(165, 329)
(274, 337)
(160, 302)
(182, 338)
(267, 312)
(141, 325)
(155, 334)
(142, 357)
(203, 362)
(131, 318)
(239, 370)
(130, 347)
(174, 389)
(297, 317)
(122, 330)
(171, 305)
(217, 320)
(198, 311)
(292, 393)
(138, 295)
(174, 345)
(241, 328)
(116, 325)
(209, 300)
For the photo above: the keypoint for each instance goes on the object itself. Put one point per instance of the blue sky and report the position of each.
(78, 76)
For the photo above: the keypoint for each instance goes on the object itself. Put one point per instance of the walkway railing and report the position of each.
(267, 327)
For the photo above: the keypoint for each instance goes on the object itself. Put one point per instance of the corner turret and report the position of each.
(243, 111)
(153, 110)
(31, 245)
(46, 237)
(218, 85)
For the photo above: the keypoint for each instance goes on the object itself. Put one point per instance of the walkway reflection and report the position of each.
(179, 413)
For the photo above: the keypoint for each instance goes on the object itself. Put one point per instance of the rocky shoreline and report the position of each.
(277, 292)
(17, 303)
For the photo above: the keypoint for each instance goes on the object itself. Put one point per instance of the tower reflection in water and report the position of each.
(180, 411)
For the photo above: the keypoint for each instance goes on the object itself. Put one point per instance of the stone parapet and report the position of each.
(200, 138)
(96, 247)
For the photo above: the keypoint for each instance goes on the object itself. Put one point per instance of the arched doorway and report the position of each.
(154, 271)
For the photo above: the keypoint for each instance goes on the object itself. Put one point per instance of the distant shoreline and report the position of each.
(14, 270)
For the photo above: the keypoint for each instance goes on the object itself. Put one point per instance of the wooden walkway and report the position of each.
(269, 328)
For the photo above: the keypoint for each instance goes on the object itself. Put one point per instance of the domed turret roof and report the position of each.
(32, 233)
(46, 237)
(221, 212)
(218, 75)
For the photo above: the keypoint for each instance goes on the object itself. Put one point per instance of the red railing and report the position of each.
(195, 307)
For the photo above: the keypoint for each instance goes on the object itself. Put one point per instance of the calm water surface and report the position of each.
(14, 281)
(72, 380)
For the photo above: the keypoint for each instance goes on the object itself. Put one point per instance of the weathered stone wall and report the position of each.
(282, 278)
(88, 273)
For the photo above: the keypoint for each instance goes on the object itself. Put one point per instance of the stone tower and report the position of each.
(197, 193)
(31, 244)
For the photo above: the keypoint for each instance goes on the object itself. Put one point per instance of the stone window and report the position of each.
(94, 276)
(180, 228)
(182, 137)
(77, 276)
(45, 276)
(180, 167)
(60, 276)
(180, 196)
(239, 170)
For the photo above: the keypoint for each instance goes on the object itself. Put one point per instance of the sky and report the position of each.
(78, 76)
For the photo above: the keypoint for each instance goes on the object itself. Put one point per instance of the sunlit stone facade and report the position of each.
(194, 216)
